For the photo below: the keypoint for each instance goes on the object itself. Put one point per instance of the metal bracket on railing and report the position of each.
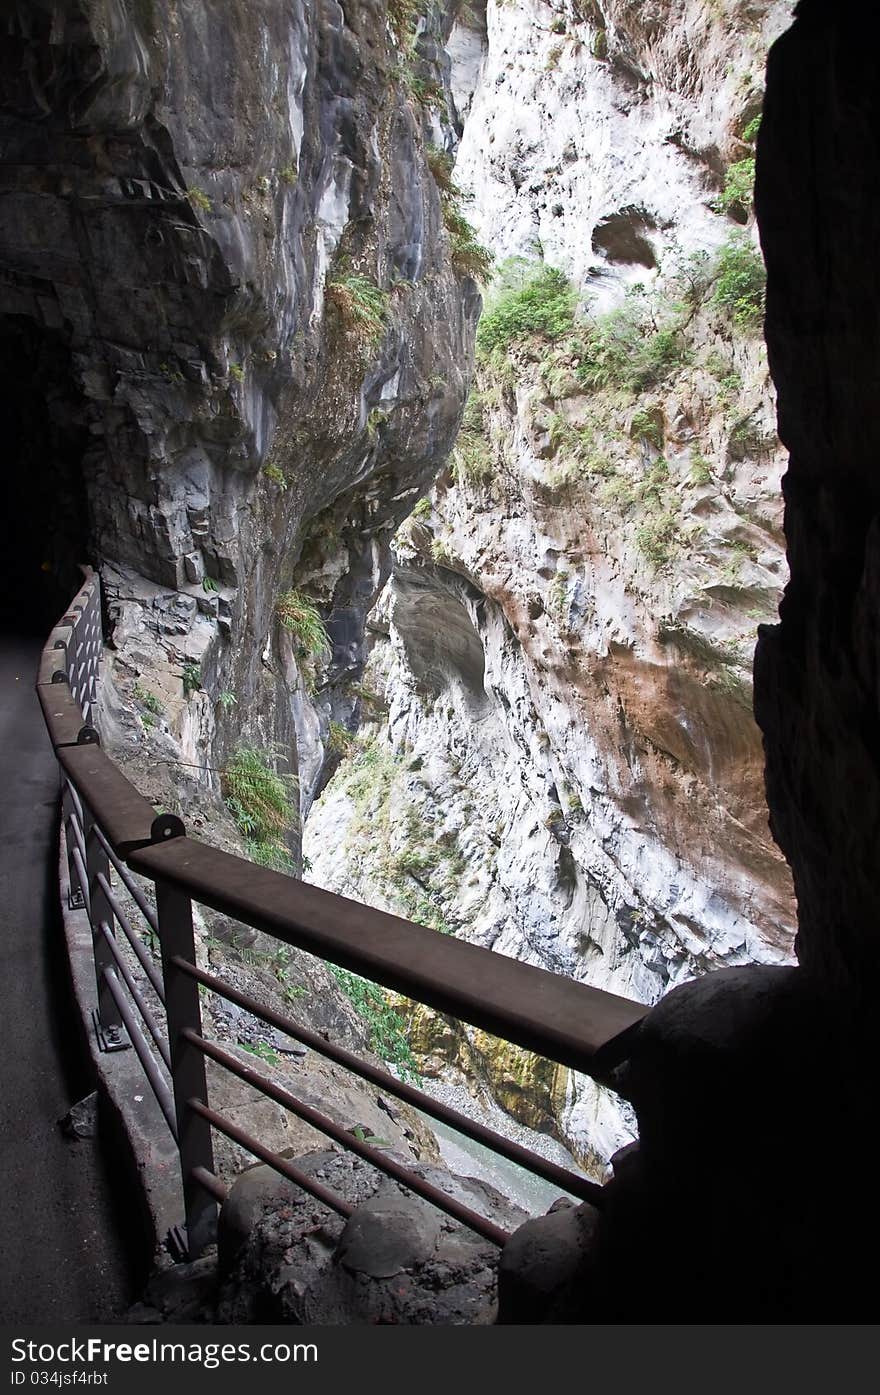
(76, 900)
(165, 826)
(87, 736)
(112, 1038)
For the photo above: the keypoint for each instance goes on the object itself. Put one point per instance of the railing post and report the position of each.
(69, 817)
(187, 1064)
(111, 1032)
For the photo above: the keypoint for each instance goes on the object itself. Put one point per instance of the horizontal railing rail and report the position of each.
(111, 829)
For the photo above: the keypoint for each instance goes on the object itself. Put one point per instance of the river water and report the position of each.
(469, 1159)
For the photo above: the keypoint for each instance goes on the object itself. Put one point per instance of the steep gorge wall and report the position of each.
(568, 769)
(182, 185)
(222, 222)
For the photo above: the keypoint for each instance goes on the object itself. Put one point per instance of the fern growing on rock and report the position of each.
(360, 307)
(261, 801)
(301, 618)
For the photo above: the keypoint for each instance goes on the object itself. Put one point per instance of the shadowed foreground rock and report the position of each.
(735, 1206)
(817, 679)
(287, 1258)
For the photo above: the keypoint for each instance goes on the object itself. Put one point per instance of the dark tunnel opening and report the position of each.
(43, 526)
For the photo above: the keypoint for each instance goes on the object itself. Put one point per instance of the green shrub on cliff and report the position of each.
(739, 187)
(387, 1037)
(402, 16)
(738, 194)
(468, 256)
(472, 460)
(148, 700)
(339, 739)
(527, 300)
(440, 164)
(659, 536)
(628, 348)
(740, 282)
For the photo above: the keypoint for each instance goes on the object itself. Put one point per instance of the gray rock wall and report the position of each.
(183, 182)
(565, 647)
(227, 270)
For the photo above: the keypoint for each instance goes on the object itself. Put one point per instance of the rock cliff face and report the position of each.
(238, 268)
(225, 215)
(562, 761)
(236, 294)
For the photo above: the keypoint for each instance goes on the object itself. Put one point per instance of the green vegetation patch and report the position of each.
(627, 349)
(647, 425)
(740, 283)
(468, 256)
(739, 187)
(402, 16)
(472, 459)
(658, 536)
(148, 701)
(701, 470)
(387, 1036)
(339, 739)
(360, 307)
(192, 677)
(276, 475)
(301, 617)
(440, 165)
(263, 1050)
(738, 194)
(527, 300)
(262, 802)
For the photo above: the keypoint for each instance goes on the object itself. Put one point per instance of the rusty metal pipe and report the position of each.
(211, 1183)
(514, 1152)
(253, 1145)
(135, 992)
(134, 940)
(144, 1055)
(129, 882)
(370, 1154)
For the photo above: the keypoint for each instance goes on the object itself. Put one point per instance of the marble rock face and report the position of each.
(566, 689)
(194, 189)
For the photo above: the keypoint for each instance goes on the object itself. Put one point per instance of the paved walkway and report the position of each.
(62, 1260)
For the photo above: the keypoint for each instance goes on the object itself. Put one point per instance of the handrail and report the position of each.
(531, 1007)
(109, 823)
(496, 1142)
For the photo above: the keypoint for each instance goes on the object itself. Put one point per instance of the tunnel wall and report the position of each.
(817, 673)
(43, 524)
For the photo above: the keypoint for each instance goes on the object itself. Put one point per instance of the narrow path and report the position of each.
(62, 1259)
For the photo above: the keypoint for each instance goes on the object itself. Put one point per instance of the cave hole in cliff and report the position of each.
(442, 646)
(44, 434)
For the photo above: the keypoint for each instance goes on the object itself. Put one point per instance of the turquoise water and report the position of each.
(469, 1159)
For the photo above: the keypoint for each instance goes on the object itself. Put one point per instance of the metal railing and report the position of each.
(113, 833)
